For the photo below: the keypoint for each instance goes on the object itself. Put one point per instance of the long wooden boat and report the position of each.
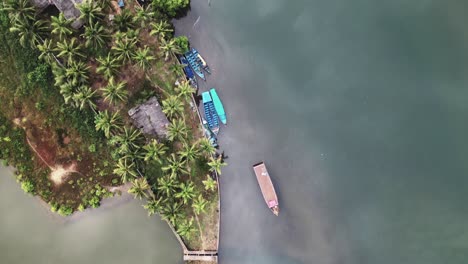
(195, 64)
(267, 188)
(210, 113)
(188, 72)
(218, 106)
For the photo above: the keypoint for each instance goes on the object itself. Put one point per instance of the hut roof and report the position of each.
(150, 118)
(67, 7)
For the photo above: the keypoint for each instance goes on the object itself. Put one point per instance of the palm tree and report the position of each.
(199, 205)
(161, 29)
(155, 151)
(153, 205)
(85, 97)
(128, 141)
(186, 228)
(177, 68)
(185, 91)
(69, 49)
(206, 147)
(19, 10)
(172, 106)
(108, 66)
(177, 130)
(115, 92)
(176, 166)
(189, 152)
(167, 186)
(125, 169)
(143, 15)
(143, 58)
(67, 90)
(216, 164)
(139, 188)
(96, 35)
(123, 21)
(172, 212)
(169, 48)
(106, 5)
(46, 50)
(61, 26)
(90, 11)
(30, 32)
(107, 122)
(209, 183)
(125, 49)
(187, 192)
(77, 72)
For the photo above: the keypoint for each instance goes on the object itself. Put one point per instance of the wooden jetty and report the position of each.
(268, 190)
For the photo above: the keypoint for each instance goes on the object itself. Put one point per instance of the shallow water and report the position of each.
(359, 109)
(122, 234)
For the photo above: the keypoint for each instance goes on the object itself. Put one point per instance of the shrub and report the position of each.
(27, 186)
(92, 148)
(65, 210)
(170, 7)
(182, 42)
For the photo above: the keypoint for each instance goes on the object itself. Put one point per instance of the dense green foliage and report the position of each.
(170, 7)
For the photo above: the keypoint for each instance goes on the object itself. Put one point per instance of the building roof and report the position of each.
(150, 118)
(67, 7)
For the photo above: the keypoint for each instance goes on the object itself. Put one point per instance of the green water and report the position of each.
(118, 233)
(359, 109)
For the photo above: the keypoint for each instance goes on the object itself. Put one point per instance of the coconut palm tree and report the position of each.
(177, 130)
(124, 49)
(185, 91)
(46, 49)
(85, 97)
(154, 205)
(90, 11)
(175, 166)
(69, 49)
(105, 5)
(108, 66)
(128, 141)
(125, 169)
(123, 21)
(172, 106)
(67, 90)
(216, 164)
(206, 147)
(186, 192)
(189, 152)
(167, 186)
(172, 212)
(177, 68)
(19, 10)
(61, 26)
(169, 48)
(143, 58)
(96, 35)
(199, 205)
(162, 29)
(186, 228)
(108, 122)
(143, 15)
(30, 32)
(115, 91)
(139, 188)
(77, 72)
(209, 183)
(155, 151)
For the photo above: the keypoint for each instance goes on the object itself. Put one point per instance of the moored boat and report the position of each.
(201, 61)
(218, 106)
(188, 72)
(210, 113)
(194, 64)
(209, 134)
(267, 188)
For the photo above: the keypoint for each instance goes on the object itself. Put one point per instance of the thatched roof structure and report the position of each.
(67, 7)
(150, 118)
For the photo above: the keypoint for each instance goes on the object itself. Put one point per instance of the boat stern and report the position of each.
(275, 210)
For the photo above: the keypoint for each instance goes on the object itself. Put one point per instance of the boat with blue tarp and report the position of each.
(218, 106)
(188, 71)
(201, 61)
(194, 63)
(211, 116)
(209, 134)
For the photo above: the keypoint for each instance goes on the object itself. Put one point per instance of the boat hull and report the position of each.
(266, 187)
(218, 106)
(211, 116)
(192, 60)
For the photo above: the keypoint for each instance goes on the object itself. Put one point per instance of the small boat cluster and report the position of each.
(194, 63)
